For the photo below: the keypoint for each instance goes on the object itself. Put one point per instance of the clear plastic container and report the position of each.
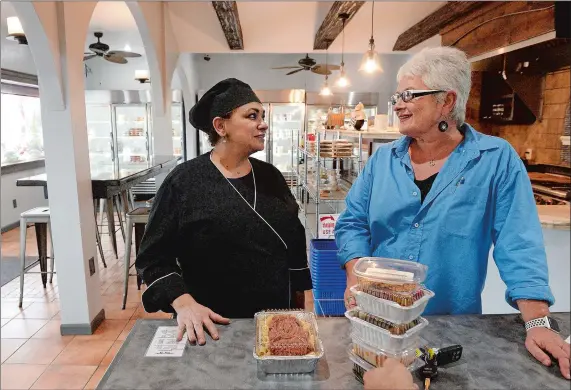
(394, 329)
(389, 274)
(360, 366)
(377, 357)
(388, 309)
(374, 335)
(405, 299)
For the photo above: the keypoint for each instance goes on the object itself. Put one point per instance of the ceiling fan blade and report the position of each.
(89, 56)
(328, 66)
(122, 53)
(115, 59)
(323, 71)
(294, 71)
(286, 67)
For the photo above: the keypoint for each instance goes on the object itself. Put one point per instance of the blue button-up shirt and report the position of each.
(481, 196)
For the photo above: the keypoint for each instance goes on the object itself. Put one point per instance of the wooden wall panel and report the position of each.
(500, 32)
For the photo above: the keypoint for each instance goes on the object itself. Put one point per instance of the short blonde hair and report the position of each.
(445, 68)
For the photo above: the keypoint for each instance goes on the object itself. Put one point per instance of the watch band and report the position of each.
(542, 322)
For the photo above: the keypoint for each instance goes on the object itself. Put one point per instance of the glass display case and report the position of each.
(286, 121)
(177, 129)
(119, 126)
(100, 138)
(132, 136)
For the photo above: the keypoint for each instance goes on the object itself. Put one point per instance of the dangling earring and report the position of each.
(224, 139)
(443, 126)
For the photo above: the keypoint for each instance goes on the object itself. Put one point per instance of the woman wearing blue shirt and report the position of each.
(442, 195)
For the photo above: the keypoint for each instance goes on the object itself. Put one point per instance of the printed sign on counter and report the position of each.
(164, 343)
(327, 225)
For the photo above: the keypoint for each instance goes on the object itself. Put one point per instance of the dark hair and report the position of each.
(213, 136)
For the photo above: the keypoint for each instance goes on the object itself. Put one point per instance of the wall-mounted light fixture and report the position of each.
(15, 30)
(142, 76)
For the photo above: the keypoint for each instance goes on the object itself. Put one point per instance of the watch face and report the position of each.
(553, 324)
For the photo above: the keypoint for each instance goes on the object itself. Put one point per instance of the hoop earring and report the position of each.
(443, 126)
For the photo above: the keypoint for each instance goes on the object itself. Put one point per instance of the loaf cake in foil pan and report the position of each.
(287, 342)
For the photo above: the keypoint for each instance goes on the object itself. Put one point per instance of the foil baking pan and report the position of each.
(271, 364)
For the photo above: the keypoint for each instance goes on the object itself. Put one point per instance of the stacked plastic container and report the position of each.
(329, 279)
(386, 322)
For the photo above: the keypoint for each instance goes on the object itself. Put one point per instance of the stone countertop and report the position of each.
(494, 356)
(555, 216)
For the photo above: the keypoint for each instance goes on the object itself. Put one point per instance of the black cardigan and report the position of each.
(203, 239)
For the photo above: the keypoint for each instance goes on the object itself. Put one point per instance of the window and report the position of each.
(21, 136)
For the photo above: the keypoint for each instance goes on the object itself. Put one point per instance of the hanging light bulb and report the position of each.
(325, 90)
(343, 80)
(371, 62)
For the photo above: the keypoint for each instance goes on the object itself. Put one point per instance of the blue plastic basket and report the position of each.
(329, 279)
(329, 303)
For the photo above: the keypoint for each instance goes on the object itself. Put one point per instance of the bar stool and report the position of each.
(138, 218)
(40, 217)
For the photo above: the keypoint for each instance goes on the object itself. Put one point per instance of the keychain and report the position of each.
(434, 357)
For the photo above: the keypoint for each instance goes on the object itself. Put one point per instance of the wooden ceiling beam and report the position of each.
(331, 26)
(433, 23)
(227, 12)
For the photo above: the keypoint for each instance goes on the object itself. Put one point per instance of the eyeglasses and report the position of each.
(410, 94)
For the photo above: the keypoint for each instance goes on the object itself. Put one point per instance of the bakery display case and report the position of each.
(120, 131)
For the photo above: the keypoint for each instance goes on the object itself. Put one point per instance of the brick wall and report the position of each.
(541, 136)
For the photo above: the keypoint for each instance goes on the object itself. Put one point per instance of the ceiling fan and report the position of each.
(100, 49)
(308, 63)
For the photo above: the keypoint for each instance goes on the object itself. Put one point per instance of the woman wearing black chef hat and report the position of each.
(223, 238)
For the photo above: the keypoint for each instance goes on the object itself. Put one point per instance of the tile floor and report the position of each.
(34, 354)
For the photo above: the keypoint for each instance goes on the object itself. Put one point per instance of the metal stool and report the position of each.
(139, 218)
(40, 217)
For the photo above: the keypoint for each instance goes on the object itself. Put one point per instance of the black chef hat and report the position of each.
(220, 100)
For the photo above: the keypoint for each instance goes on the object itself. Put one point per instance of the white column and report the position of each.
(67, 158)
(162, 55)
(162, 135)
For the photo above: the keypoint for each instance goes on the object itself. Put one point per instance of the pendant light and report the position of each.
(343, 80)
(325, 90)
(371, 63)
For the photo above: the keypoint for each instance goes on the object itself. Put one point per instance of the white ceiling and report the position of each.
(290, 27)
(115, 21)
(268, 27)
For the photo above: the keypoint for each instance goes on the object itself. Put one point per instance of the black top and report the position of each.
(203, 239)
(425, 185)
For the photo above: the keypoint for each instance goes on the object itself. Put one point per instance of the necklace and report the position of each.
(432, 161)
(235, 189)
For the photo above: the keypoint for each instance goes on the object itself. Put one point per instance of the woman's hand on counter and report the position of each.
(392, 375)
(192, 317)
(542, 339)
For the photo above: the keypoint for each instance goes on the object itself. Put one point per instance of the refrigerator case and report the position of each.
(119, 125)
(101, 139)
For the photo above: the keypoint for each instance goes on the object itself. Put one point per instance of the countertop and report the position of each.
(555, 216)
(494, 356)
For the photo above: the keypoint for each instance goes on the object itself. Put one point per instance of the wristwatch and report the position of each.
(543, 322)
